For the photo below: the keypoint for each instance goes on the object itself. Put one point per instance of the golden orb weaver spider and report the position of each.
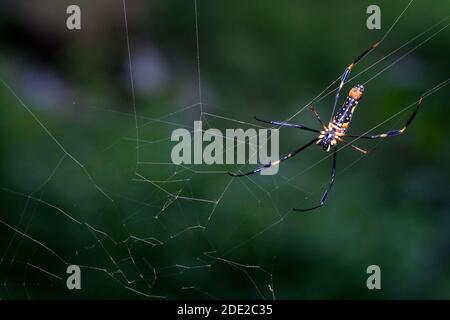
(336, 129)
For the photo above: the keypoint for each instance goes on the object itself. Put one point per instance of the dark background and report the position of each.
(180, 232)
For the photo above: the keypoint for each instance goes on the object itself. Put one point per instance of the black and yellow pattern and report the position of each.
(336, 129)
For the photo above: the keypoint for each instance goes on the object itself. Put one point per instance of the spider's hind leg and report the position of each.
(275, 163)
(324, 198)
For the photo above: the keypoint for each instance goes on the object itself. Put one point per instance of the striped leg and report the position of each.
(275, 163)
(392, 133)
(346, 74)
(324, 198)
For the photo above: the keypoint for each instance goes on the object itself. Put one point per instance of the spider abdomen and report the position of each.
(343, 117)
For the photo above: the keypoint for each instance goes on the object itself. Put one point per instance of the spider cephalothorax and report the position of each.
(327, 139)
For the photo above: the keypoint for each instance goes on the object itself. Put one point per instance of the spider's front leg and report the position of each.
(346, 75)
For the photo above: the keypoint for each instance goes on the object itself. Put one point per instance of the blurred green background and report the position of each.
(180, 232)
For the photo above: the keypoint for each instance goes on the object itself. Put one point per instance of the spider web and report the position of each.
(153, 230)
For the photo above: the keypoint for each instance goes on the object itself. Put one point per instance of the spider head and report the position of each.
(356, 92)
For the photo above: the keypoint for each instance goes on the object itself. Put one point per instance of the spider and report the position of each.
(336, 129)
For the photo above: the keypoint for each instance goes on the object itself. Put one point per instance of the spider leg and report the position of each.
(391, 133)
(285, 124)
(324, 198)
(313, 110)
(346, 75)
(363, 151)
(277, 162)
